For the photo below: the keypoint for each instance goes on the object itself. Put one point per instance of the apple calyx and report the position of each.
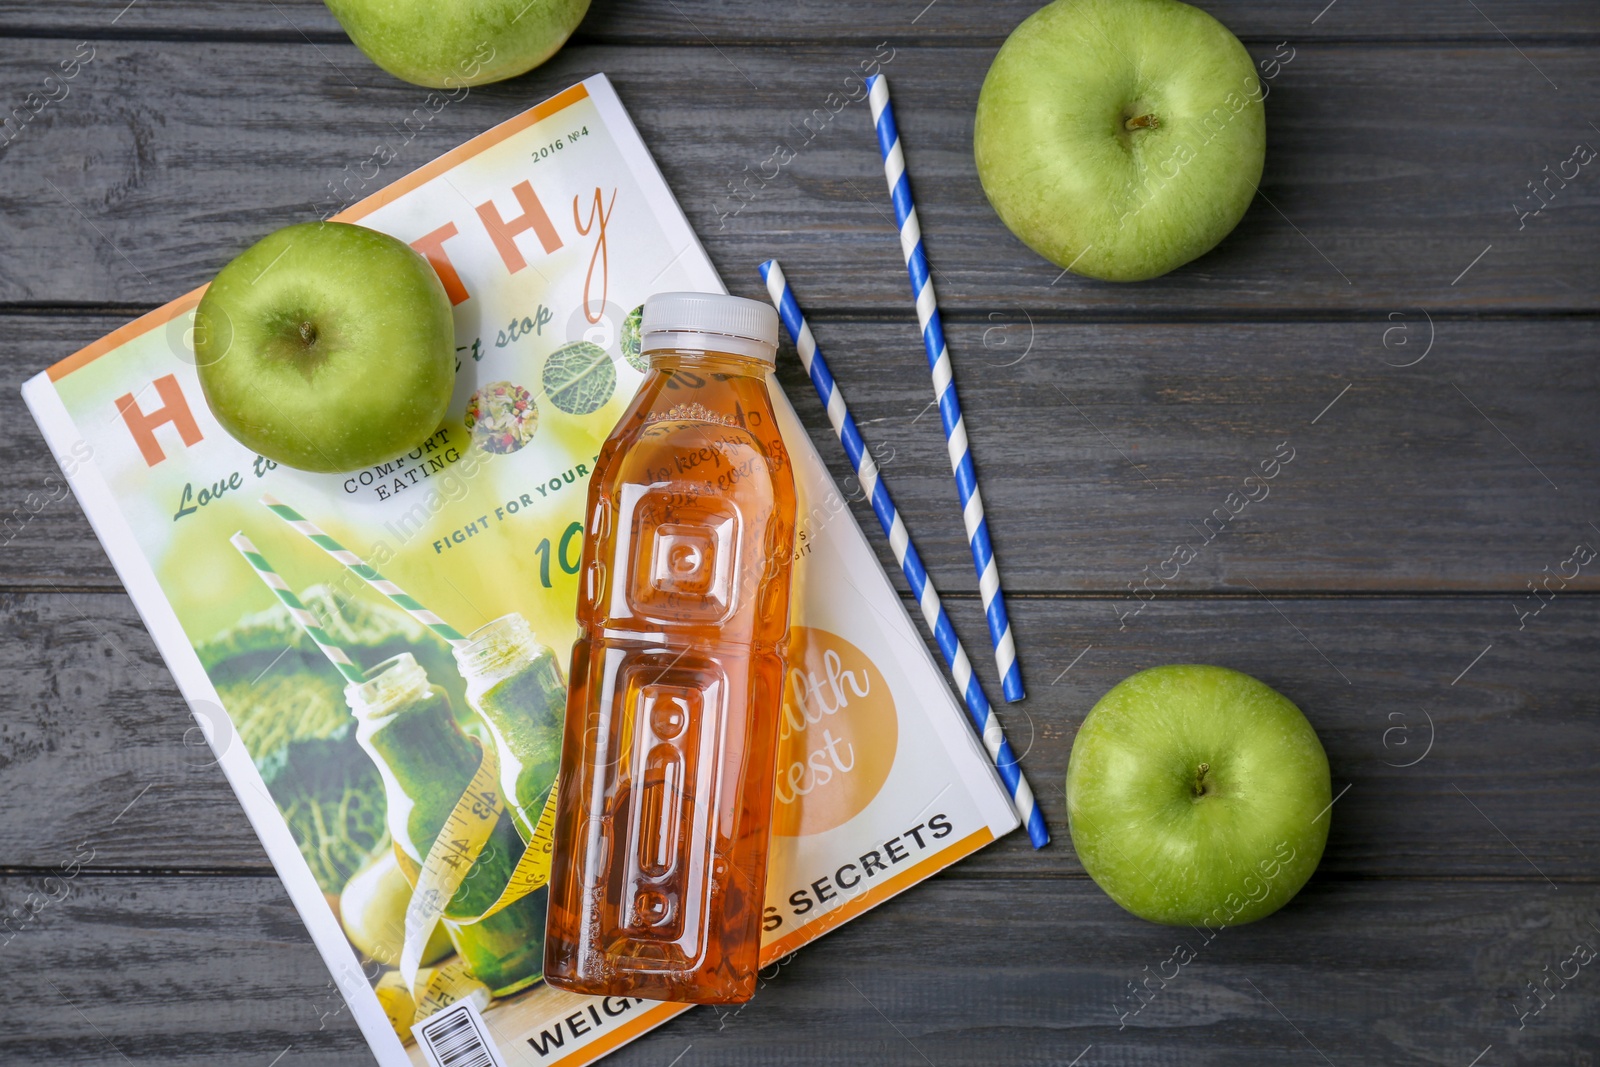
(1142, 122)
(1203, 786)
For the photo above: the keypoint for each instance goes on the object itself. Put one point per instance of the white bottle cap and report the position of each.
(710, 321)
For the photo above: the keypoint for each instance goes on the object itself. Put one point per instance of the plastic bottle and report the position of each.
(658, 883)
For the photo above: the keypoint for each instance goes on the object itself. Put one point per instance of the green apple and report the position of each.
(327, 347)
(1120, 138)
(1198, 795)
(450, 43)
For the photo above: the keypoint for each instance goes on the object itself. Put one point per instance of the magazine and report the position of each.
(548, 231)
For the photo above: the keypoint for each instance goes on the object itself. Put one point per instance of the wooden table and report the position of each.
(1428, 355)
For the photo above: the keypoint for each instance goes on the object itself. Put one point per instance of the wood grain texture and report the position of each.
(99, 747)
(1390, 170)
(168, 970)
(961, 972)
(1381, 584)
(1102, 446)
(210, 970)
(693, 21)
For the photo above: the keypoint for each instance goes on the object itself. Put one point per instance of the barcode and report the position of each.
(454, 1038)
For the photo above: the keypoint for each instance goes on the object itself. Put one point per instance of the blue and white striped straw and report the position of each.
(944, 635)
(944, 389)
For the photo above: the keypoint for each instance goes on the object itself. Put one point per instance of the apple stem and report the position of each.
(1200, 785)
(1143, 122)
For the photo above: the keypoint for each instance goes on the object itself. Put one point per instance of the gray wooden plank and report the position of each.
(957, 971)
(96, 744)
(168, 970)
(1391, 170)
(1102, 446)
(962, 972)
(692, 21)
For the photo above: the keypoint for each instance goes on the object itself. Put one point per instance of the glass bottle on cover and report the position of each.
(514, 683)
(406, 725)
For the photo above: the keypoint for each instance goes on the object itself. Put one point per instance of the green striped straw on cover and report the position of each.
(308, 622)
(359, 567)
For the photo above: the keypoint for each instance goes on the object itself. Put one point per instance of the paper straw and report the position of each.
(308, 622)
(982, 715)
(400, 597)
(944, 389)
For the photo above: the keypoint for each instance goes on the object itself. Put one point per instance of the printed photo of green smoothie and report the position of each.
(515, 685)
(374, 778)
(405, 723)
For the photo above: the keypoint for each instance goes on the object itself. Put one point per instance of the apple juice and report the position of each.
(657, 888)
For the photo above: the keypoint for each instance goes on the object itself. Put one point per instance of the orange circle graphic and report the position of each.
(837, 736)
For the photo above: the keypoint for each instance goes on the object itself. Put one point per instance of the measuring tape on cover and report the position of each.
(451, 856)
(457, 848)
(533, 869)
(459, 844)
(437, 989)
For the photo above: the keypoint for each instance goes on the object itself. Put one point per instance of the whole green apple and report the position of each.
(459, 42)
(1120, 138)
(327, 347)
(1198, 795)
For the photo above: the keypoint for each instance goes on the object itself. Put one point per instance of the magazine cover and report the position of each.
(268, 590)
